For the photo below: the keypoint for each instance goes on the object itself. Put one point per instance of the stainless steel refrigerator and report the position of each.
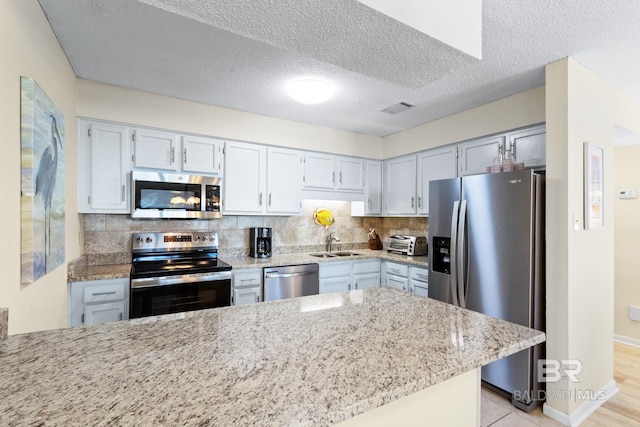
(486, 237)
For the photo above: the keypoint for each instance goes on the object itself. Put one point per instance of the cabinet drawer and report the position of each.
(104, 292)
(335, 269)
(397, 269)
(101, 313)
(251, 277)
(368, 266)
(421, 274)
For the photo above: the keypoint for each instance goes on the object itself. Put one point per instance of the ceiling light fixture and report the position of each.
(310, 91)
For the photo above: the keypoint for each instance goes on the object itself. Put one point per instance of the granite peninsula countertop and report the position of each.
(309, 361)
(78, 270)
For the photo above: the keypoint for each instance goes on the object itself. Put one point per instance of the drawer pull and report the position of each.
(96, 294)
(247, 280)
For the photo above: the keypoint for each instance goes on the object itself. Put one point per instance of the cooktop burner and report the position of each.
(164, 254)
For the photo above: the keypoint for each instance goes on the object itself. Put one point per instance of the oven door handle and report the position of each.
(148, 282)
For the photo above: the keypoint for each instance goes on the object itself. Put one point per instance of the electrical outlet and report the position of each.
(634, 313)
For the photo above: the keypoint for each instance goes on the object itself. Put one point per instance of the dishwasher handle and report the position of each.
(276, 275)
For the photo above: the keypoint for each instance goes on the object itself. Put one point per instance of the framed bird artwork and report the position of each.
(42, 221)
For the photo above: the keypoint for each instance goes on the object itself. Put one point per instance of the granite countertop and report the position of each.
(78, 270)
(309, 361)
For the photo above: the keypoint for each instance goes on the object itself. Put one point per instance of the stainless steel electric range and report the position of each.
(175, 272)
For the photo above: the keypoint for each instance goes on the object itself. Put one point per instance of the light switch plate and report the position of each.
(634, 313)
(628, 193)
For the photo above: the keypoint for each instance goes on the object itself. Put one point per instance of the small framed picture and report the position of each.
(593, 187)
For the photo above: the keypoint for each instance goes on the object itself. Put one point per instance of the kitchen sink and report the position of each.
(326, 255)
(345, 253)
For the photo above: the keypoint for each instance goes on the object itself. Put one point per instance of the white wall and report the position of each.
(100, 101)
(29, 48)
(580, 106)
(523, 109)
(627, 239)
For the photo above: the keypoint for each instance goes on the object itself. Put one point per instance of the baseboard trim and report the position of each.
(627, 340)
(587, 408)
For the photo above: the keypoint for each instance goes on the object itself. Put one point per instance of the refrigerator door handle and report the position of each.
(453, 254)
(460, 258)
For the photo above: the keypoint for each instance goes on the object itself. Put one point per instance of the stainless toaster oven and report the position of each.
(407, 245)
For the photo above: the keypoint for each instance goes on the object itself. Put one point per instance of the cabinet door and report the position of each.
(433, 165)
(283, 181)
(419, 288)
(245, 171)
(529, 146)
(202, 155)
(109, 167)
(247, 295)
(475, 156)
(155, 149)
(366, 281)
(400, 186)
(373, 188)
(335, 284)
(101, 313)
(350, 174)
(319, 171)
(397, 282)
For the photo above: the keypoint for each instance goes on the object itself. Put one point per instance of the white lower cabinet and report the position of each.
(419, 281)
(407, 278)
(98, 301)
(349, 275)
(246, 286)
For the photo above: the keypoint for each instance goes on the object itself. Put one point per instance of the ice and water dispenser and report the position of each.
(441, 257)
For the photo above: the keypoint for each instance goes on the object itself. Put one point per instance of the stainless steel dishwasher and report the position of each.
(290, 281)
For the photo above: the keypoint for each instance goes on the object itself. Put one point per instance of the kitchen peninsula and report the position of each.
(316, 360)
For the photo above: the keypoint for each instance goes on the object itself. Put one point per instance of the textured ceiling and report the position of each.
(241, 54)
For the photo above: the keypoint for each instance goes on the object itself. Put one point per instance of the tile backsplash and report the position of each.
(107, 238)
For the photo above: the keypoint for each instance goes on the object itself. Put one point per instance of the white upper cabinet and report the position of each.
(529, 146)
(261, 180)
(103, 167)
(283, 181)
(244, 183)
(155, 149)
(350, 174)
(475, 156)
(439, 163)
(202, 155)
(329, 173)
(160, 150)
(319, 171)
(400, 186)
(373, 188)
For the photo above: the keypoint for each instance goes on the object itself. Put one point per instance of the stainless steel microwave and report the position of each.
(173, 195)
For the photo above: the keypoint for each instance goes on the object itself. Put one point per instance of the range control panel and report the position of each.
(184, 241)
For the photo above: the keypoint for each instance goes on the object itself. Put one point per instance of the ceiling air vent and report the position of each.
(397, 108)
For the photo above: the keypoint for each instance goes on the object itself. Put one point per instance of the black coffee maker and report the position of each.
(260, 242)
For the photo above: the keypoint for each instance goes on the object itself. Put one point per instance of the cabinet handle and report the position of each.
(82, 318)
(512, 147)
(247, 280)
(123, 192)
(173, 155)
(340, 177)
(184, 155)
(260, 199)
(413, 200)
(120, 316)
(96, 294)
(420, 202)
(257, 298)
(369, 203)
(269, 199)
(349, 286)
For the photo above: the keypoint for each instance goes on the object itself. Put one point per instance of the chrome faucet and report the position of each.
(330, 240)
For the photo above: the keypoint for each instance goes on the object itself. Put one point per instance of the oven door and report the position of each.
(173, 294)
